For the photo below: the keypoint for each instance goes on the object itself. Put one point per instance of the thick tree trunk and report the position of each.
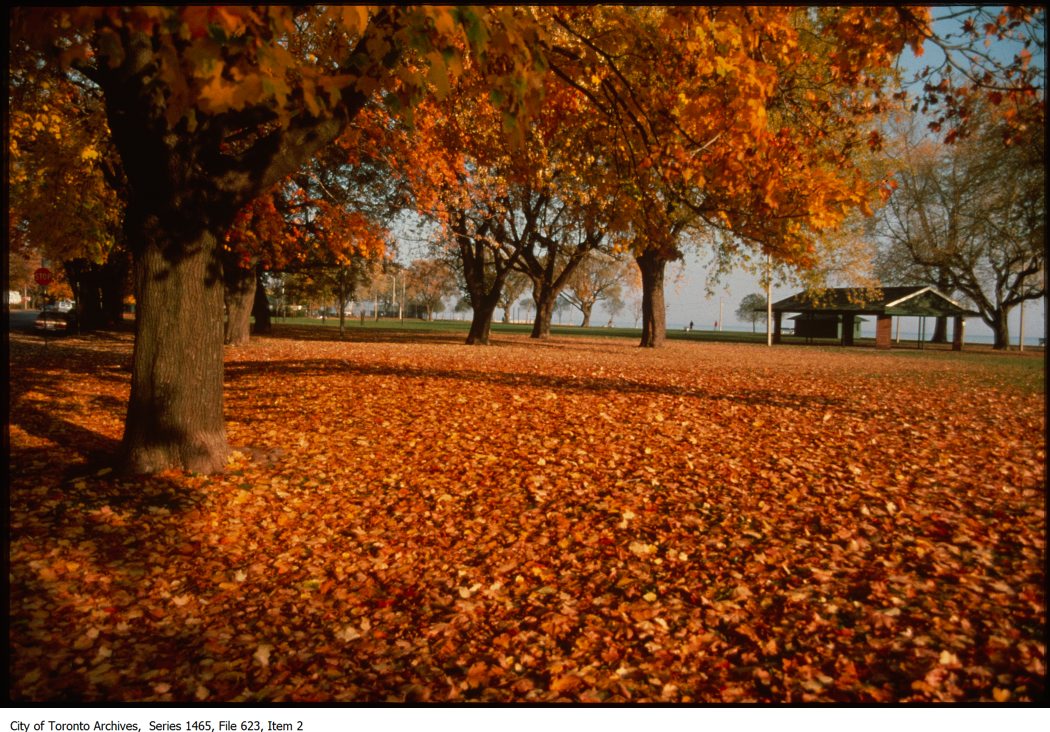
(239, 297)
(481, 322)
(98, 290)
(654, 313)
(548, 282)
(1000, 329)
(940, 330)
(175, 413)
(83, 281)
(541, 325)
(261, 306)
(586, 310)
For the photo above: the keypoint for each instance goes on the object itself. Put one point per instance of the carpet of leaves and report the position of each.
(580, 520)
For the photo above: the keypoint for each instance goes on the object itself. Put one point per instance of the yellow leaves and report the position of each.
(444, 20)
(438, 73)
(355, 18)
(216, 95)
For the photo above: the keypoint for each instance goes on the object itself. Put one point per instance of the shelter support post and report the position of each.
(847, 329)
(777, 316)
(957, 335)
(883, 330)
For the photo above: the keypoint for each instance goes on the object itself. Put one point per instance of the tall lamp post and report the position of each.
(769, 300)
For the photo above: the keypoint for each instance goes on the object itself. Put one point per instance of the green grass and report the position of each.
(462, 326)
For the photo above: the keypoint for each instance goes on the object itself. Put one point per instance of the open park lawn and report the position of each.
(581, 520)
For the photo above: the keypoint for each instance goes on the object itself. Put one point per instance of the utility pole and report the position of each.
(1020, 330)
(769, 300)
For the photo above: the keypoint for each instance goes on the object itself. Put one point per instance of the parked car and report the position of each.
(55, 321)
(62, 306)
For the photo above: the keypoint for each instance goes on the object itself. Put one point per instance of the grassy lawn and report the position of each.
(405, 518)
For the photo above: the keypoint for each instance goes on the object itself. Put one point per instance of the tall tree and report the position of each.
(528, 197)
(560, 240)
(973, 212)
(64, 184)
(488, 255)
(749, 118)
(208, 106)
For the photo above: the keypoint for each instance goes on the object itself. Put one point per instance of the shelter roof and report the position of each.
(916, 300)
(819, 316)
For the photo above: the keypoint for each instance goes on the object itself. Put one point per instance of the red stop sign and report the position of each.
(42, 276)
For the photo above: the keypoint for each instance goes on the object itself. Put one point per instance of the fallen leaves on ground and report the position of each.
(576, 520)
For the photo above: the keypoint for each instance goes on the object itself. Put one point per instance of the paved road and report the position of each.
(21, 320)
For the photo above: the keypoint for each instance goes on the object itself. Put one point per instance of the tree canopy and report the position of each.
(662, 123)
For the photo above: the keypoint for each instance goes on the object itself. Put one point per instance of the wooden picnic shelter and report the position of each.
(847, 304)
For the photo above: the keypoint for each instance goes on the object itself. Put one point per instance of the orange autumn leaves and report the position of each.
(584, 521)
(287, 227)
(749, 117)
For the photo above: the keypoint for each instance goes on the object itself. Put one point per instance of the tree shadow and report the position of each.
(576, 384)
(98, 449)
(357, 334)
(82, 552)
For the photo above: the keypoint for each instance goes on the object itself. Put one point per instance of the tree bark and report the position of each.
(83, 281)
(1000, 329)
(541, 325)
(481, 321)
(484, 271)
(175, 412)
(261, 305)
(586, 310)
(239, 297)
(548, 281)
(940, 328)
(654, 313)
